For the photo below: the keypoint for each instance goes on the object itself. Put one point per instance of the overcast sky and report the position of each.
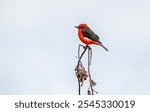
(38, 46)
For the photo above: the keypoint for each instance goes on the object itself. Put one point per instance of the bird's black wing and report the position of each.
(87, 32)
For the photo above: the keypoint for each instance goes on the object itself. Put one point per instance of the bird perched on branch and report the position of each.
(87, 36)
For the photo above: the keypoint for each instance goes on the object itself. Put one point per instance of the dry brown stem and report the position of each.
(81, 72)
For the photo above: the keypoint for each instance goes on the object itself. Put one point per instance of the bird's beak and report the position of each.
(76, 26)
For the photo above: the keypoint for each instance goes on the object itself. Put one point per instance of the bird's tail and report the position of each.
(100, 44)
(104, 47)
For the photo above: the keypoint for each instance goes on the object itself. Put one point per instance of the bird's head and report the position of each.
(81, 26)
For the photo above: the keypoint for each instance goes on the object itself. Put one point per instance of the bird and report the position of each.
(87, 36)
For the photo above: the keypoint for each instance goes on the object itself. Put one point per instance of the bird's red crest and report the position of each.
(82, 25)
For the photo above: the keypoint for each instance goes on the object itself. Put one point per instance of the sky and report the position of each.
(38, 46)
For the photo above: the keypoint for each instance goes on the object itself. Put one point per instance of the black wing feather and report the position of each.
(87, 32)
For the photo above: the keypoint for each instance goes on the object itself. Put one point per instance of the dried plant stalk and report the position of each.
(81, 73)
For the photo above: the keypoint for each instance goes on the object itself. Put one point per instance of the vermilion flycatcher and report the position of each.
(87, 36)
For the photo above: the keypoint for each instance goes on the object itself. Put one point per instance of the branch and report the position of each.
(81, 73)
(89, 63)
(77, 67)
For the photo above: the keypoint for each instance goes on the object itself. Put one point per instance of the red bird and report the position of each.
(87, 36)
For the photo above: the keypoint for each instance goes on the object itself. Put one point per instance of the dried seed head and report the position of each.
(89, 92)
(92, 83)
(81, 73)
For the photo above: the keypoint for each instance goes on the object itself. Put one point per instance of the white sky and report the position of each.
(38, 45)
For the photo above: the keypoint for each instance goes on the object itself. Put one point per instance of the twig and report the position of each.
(80, 57)
(89, 63)
(81, 73)
(77, 68)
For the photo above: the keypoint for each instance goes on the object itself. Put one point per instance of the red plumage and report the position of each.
(87, 36)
